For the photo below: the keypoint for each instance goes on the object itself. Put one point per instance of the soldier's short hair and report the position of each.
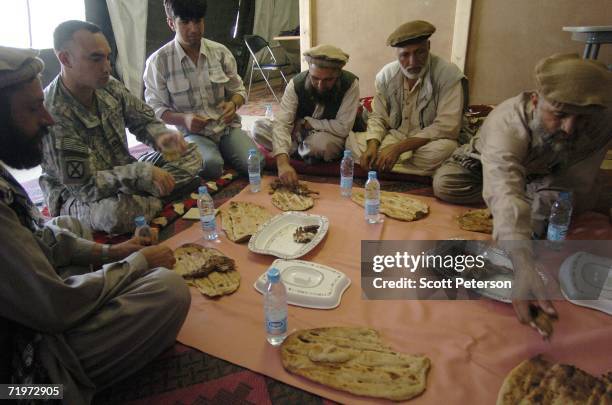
(63, 33)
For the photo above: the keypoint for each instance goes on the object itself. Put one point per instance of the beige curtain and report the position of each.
(129, 21)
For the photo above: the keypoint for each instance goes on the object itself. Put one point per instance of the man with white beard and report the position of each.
(417, 110)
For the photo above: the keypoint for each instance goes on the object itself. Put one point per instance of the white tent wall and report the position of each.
(129, 21)
(272, 17)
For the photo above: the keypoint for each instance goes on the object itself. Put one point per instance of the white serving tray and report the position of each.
(275, 237)
(308, 284)
(586, 275)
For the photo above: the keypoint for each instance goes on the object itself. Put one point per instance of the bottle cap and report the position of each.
(348, 153)
(140, 221)
(565, 195)
(273, 275)
(252, 151)
(371, 174)
(202, 190)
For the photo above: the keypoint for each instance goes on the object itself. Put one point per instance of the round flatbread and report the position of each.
(396, 205)
(240, 220)
(209, 270)
(537, 381)
(354, 360)
(216, 284)
(479, 220)
(285, 200)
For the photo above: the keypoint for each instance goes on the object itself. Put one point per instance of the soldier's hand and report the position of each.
(287, 174)
(158, 256)
(387, 157)
(170, 142)
(163, 181)
(369, 156)
(195, 123)
(229, 111)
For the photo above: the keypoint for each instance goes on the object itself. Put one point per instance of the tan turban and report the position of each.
(326, 56)
(413, 30)
(572, 84)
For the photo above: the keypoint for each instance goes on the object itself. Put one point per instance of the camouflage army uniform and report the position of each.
(80, 328)
(88, 171)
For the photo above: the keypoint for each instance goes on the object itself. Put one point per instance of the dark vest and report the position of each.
(307, 103)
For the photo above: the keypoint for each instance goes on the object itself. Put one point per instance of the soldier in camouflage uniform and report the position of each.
(61, 322)
(88, 171)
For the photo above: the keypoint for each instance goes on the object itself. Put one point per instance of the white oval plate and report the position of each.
(588, 276)
(309, 284)
(275, 237)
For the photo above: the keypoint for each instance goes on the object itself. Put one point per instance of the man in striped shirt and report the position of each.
(192, 82)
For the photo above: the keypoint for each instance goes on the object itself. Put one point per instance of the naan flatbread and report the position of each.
(285, 200)
(479, 220)
(209, 270)
(537, 381)
(355, 360)
(242, 219)
(396, 205)
(296, 198)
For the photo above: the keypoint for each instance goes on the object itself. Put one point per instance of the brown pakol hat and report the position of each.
(574, 84)
(417, 30)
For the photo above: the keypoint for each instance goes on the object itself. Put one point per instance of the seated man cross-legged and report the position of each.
(529, 149)
(61, 322)
(88, 171)
(193, 83)
(417, 110)
(317, 112)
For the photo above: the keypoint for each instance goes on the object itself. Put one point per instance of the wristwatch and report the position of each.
(106, 253)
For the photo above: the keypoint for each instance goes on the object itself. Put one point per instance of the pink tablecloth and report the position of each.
(472, 344)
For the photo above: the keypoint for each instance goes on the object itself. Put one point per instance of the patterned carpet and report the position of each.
(182, 376)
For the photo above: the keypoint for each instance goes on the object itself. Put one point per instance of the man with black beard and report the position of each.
(61, 322)
(530, 148)
(317, 112)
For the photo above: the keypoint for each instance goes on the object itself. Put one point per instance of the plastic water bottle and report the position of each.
(346, 174)
(560, 217)
(269, 114)
(207, 214)
(143, 230)
(372, 199)
(254, 171)
(275, 308)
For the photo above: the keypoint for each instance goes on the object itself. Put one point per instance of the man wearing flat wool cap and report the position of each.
(72, 311)
(417, 110)
(533, 146)
(317, 112)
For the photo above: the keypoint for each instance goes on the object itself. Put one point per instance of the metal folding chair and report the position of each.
(254, 44)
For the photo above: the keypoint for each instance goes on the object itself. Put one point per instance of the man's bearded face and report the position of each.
(22, 131)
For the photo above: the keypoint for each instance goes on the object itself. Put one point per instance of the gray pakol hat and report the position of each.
(18, 66)
(327, 56)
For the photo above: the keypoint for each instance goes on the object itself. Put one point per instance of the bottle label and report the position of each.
(556, 232)
(346, 182)
(372, 207)
(276, 326)
(254, 178)
(208, 223)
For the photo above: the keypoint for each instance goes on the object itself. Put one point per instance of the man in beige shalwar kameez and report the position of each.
(533, 146)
